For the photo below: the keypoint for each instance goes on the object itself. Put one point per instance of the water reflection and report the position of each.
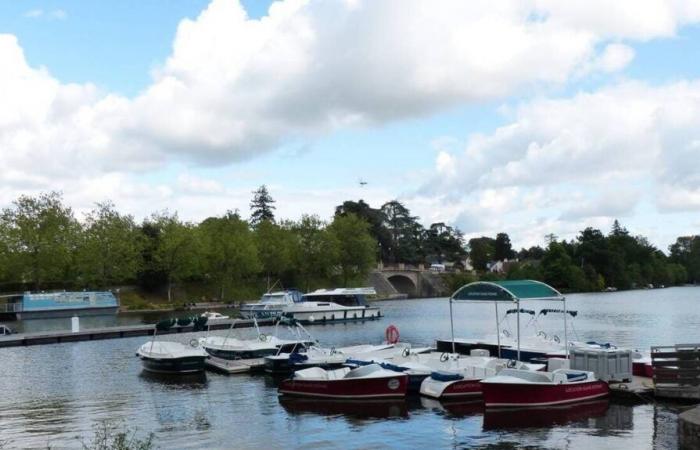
(174, 381)
(543, 417)
(358, 409)
(453, 408)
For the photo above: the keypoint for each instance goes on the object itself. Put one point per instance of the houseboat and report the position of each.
(42, 305)
(331, 305)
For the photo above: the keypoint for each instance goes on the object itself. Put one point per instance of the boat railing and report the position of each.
(676, 370)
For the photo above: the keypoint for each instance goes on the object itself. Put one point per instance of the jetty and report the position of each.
(122, 331)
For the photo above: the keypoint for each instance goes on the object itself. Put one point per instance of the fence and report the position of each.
(676, 370)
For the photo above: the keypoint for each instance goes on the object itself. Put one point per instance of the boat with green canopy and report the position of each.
(511, 293)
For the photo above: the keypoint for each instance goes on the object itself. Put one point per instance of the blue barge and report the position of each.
(45, 305)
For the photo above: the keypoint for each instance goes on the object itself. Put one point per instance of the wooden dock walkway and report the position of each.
(640, 389)
(123, 331)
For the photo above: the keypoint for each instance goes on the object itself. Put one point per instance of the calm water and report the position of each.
(54, 394)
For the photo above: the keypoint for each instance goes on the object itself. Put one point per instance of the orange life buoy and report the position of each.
(392, 334)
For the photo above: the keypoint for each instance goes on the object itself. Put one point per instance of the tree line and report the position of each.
(44, 246)
(593, 261)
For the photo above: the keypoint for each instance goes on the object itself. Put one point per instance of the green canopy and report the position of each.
(506, 291)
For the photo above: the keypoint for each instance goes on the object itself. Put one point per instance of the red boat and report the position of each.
(371, 381)
(516, 388)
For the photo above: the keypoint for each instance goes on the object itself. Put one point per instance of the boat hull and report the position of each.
(394, 386)
(334, 315)
(184, 365)
(469, 387)
(498, 395)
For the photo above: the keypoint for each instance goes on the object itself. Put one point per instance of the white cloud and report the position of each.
(38, 13)
(594, 156)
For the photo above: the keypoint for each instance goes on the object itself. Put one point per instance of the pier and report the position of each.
(123, 331)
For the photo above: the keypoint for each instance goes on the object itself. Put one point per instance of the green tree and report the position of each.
(444, 243)
(275, 247)
(406, 234)
(262, 206)
(481, 252)
(229, 250)
(356, 246)
(177, 253)
(502, 248)
(110, 247)
(376, 218)
(40, 233)
(316, 250)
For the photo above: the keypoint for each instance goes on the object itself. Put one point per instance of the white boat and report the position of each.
(213, 315)
(523, 388)
(458, 376)
(271, 304)
(172, 357)
(226, 347)
(330, 305)
(371, 381)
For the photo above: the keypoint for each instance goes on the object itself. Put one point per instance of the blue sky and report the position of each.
(317, 96)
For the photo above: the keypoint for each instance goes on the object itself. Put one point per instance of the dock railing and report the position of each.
(676, 370)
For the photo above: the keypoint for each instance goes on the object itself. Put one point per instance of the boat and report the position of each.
(317, 356)
(225, 347)
(213, 316)
(370, 381)
(172, 357)
(520, 388)
(45, 305)
(332, 305)
(461, 378)
(271, 304)
(5, 330)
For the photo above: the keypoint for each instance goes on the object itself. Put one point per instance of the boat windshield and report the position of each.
(343, 300)
(272, 298)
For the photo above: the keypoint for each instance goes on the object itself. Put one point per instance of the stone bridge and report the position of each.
(409, 280)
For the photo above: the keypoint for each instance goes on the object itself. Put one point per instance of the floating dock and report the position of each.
(124, 331)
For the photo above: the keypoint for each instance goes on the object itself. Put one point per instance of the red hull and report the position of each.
(528, 394)
(463, 388)
(642, 369)
(385, 387)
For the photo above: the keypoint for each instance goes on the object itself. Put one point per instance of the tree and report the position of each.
(481, 252)
(444, 243)
(262, 206)
(316, 251)
(110, 247)
(503, 249)
(406, 234)
(356, 246)
(177, 251)
(275, 247)
(229, 251)
(41, 233)
(376, 219)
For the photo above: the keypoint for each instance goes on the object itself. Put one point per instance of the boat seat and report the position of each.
(527, 375)
(363, 371)
(316, 373)
(567, 376)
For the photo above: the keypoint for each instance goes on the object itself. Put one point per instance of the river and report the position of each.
(54, 395)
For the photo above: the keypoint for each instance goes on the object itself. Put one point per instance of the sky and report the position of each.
(525, 117)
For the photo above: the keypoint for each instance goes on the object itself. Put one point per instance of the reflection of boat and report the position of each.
(171, 357)
(454, 407)
(383, 408)
(544, 416)
(213, 315)
(330, 305)
(194, 380)
(371, 381)
(271, 304)
(514, 387)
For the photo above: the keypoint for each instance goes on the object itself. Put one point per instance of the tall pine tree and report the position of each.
(261, 207)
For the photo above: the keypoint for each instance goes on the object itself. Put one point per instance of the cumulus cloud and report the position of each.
(234, 87)
(594, 156)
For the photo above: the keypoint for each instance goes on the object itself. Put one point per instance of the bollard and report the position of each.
(75, 324)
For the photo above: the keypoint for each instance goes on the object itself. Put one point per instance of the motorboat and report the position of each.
(5, 330)
(271, 304)
(231, 348)
(455, 376)
(370, 381)
(519, 388)
(172, 357)
(317, 356)
(213, 316)
(331, 305)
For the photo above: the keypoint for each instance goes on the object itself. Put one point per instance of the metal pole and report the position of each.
(452, 327)
(498, 331)
(518, 306)
(566, 337)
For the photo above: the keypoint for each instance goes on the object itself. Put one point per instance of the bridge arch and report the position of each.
(403, 284)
